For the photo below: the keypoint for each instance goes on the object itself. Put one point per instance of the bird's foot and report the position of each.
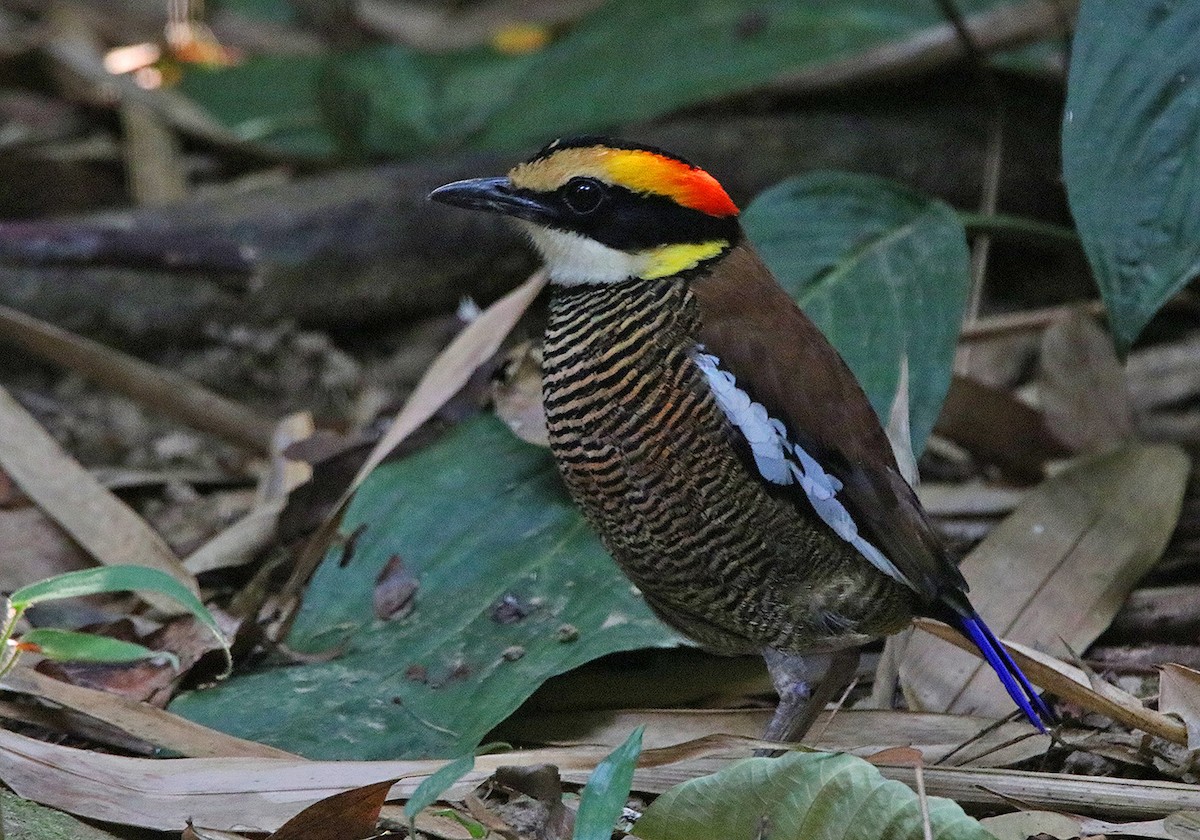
(805, 685)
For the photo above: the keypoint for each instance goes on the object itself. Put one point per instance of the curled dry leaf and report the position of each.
(478, 342)
(350, 815)
(230, 792)
(1054, 573)
(1179, 695)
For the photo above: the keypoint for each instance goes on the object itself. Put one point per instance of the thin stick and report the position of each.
(991, 171)
(162, 390)
(996, 326)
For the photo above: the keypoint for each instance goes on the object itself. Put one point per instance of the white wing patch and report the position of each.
(780, 461)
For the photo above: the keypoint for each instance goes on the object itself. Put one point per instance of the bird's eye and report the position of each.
(583, 195)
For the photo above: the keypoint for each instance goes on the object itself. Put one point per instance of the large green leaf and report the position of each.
(633, 60)
(627, 61)
(883, 271)
(487, 535)
(1131, 151)
(270, 99)
(801, 795)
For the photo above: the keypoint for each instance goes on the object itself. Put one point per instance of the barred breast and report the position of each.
(650, 458)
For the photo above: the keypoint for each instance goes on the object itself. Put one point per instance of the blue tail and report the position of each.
(1015, 683)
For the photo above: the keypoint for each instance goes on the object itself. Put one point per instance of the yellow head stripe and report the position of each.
(666, 260)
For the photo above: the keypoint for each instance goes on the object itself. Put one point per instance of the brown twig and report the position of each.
(162, 390)
(1010, 323)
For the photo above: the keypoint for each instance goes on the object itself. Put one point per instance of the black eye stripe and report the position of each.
(633, 221)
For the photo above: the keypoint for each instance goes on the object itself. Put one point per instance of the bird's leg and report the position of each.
(805, 685)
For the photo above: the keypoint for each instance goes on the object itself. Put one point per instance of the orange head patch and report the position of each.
(642, 170)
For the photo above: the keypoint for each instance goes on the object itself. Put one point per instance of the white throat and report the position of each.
(572, 258)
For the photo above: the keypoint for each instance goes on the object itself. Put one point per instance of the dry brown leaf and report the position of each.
(43, 547)
(450, 371)
(994, 425)
(1084, 396)
(102, 524)
(140, 720)
(897, 756)
(258, 793)
(1054, 573)
(1179, 695)
(860, 732)
(1073, 685)
(1025, 824)
(245, 792)
(349, 815)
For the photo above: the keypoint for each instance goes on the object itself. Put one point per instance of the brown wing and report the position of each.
(780, 358)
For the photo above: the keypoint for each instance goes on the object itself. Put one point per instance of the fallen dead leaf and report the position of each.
(152, 725)
(1054, 573)
(1083, 391)
(1023, 825)
(264, 793)
(241, 542)
(995, 426)
(478, 342)
(257, 793)
(350, 815)
(1179, 695)
(861, 732)
(1073, 685)
(100, 522)
(43, 547)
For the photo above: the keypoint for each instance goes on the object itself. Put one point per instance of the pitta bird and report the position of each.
(711, 435)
